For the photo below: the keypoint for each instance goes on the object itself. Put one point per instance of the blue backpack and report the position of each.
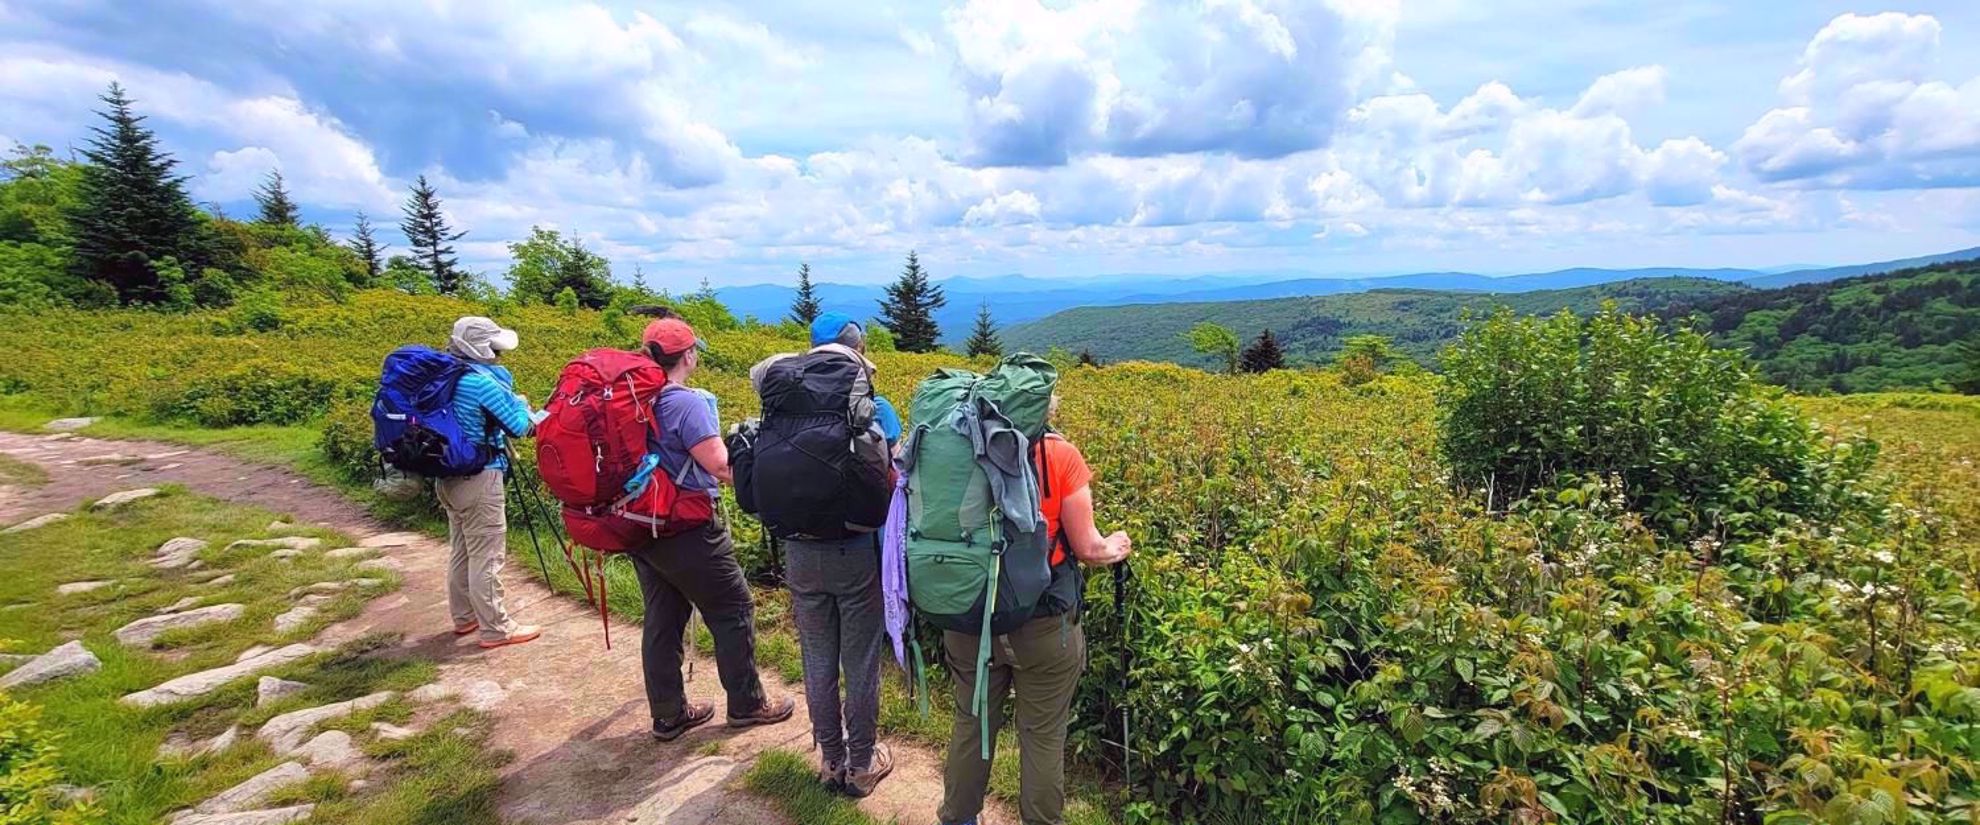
(412, 417)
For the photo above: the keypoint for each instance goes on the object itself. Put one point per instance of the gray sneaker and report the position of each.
(860, 784)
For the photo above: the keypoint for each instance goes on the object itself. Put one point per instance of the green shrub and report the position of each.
(28, 774)
(1699, 444)
(346, 441)
(255, 392)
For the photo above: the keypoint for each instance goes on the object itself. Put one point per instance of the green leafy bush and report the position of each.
(28, 774)
(256, 392)
(1700, 445)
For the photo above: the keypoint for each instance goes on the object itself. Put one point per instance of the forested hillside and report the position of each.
(1416, 321)
(1914, 329)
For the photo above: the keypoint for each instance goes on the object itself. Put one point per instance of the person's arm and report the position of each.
(508, 409)
(713, 456)
(1083, 538)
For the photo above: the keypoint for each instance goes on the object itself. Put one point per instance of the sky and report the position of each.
(730, 141)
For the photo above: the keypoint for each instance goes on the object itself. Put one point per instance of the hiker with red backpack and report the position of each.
(695, 568)
(818, 472)
(446, 416)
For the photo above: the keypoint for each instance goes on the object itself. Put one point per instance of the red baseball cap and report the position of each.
(673, 335)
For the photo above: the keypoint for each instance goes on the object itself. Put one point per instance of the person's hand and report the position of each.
(1113, 549)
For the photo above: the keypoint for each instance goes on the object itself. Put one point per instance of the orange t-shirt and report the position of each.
(1063, 471)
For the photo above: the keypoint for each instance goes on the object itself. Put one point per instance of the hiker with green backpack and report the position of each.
(991, 523)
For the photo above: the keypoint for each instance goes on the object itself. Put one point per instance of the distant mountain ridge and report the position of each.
(1017, 299)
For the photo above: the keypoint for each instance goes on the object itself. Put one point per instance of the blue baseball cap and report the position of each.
(826, 329)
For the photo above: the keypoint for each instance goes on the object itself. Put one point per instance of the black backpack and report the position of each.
(816, 468)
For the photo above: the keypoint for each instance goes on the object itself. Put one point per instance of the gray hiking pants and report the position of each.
(835, 599)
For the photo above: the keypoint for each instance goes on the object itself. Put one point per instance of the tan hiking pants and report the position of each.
(477, 530)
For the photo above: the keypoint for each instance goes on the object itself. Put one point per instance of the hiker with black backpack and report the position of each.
(818, 473)
(447, 416)
(695, 569)
(999, 517)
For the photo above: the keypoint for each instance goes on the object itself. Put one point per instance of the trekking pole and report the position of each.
(529, 520)
(1121, 607)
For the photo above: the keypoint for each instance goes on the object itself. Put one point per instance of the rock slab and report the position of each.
(286, 733)
(68, 425)
(123, 498)
(147, 630)
(73, 588)
(297, 543)
(37, 521)
(177, 553)
(270, 689)
(342, 553)
(272, 816)
(207, 681)
(331, 750)
(71, 659)
(255, 791)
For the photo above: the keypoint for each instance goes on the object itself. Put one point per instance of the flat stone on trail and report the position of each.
(392, 540)
(254, 791)
(297, 543)
(285, 554)
(380, 565)
(295, 618)
(280, 526)
(481, 694)
(287, 732)
(37, 521)
(331, 750)
(70, 659)
(272, 816)
(270, 689)
(67, 425)
(392, 733)
(252, 652)
(207, 681)
(181, 604)
(123, 498)
(323, 588)
(108, 459)
(177, 553)
(73, 588)
(144, 631)
(351, 553)
(221, 581)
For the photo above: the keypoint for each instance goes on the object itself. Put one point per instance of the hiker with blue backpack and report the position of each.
(447, 416)
(817, 471)
(990, 525)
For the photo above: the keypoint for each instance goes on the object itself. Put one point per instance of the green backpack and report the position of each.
(978, 557)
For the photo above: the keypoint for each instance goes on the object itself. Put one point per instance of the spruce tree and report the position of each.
(276, 208)
(909, 309)
(805, 307)
(132, 213)
(983, 339)
(1264, 354)
(432, 239)
(368, 250)
(1087, 359)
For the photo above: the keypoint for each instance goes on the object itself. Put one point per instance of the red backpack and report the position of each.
(594, 442)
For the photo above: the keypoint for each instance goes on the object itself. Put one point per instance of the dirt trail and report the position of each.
(573, 713)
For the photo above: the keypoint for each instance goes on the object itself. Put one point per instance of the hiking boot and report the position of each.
(522, 633)
(833, 777)
(693, 716)
(860, 784)
(770, 712)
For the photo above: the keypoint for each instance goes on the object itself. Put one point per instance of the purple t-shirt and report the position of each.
(685, 420)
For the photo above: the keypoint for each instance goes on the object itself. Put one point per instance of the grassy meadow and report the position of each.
(1326, 623)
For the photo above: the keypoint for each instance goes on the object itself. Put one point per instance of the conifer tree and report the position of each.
(368, 249)
(909, 309)
(1264, 354)
(276, 208)
(805, 307)
(432, 239)
(983, 338)
(1087, 359)
(132, 213)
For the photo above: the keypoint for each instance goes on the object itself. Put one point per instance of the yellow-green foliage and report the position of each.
(1325, 628)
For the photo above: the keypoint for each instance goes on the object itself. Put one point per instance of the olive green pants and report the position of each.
(1039, 666)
